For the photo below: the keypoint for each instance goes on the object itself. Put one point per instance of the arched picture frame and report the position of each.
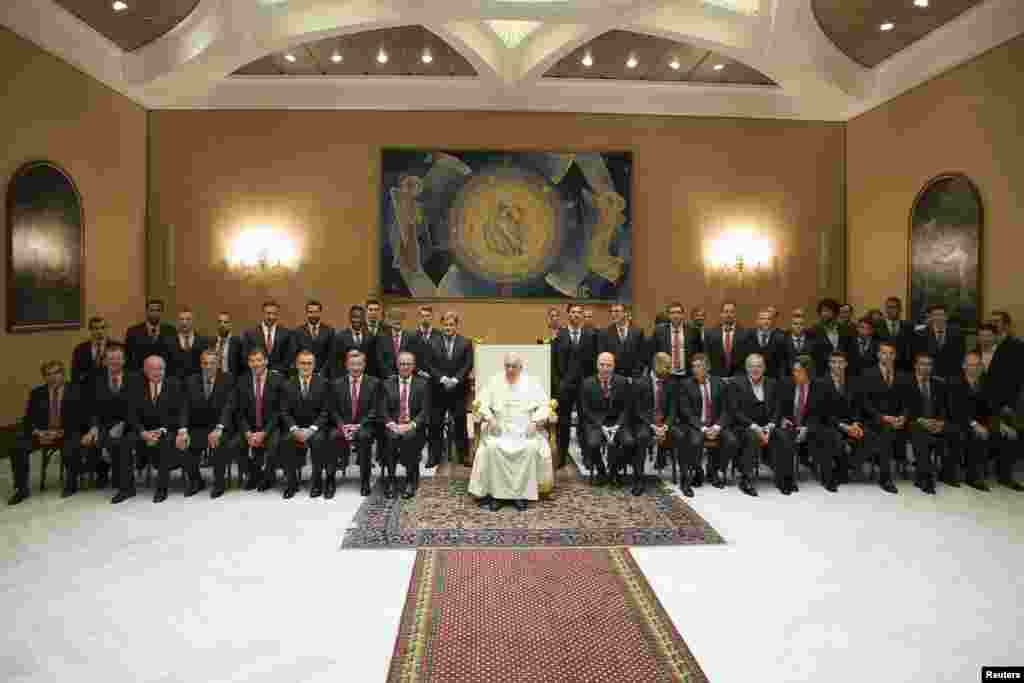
(946, 223)
(45, 249)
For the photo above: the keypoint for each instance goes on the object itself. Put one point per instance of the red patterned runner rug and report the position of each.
(559, 616)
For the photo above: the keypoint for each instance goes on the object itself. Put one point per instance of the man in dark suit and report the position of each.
(157, 428)
(930, 427)
(228, 347)
(575, 356)
(88, 357)
(425, 330)
(1002, 360)
(843, 425)
(943, 343)
(255, 420)
(654, 420)
(625, 342)
(698, 317)
(829, 336)
(883, 391)
(275, 340)
(768, 343)
(354, 404)
(374, 327)
(305, 403)
(148, 338)
(971, 410)
(798, 340)
(755, 415)
(606, 418)
(898, 332)
(723, 345)
(315, 336)
(113, 395)
(185, 348)
(864, 349)
(451, 361)
(50, 422)
(391, 341)
(846, 320)
(803, 419)
(207, 414)
(354, 337)
(404, 410)
(702, 417)
(674, 339)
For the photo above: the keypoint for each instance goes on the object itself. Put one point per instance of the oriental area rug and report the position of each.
(562, 615)
(444, 515)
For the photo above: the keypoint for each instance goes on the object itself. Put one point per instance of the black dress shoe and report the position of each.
(888, 486)
(389, 489)
(122, 496)
(785, 489)
(316, 491)
(68, 491)
(290, 492)
(432, 462)
(19, 495)
(831, 486)
(978, 484)
(193, 489)
(698, 478)
(494, 505)
(792, 486)
(717, 480)
(160, 496)
(329, 490)
(687, 491)
(265, 485)
(484, 502)
(409, 491)
(251, 484)
(950, 482)
(520, 505)
(217, 492)
(364, 489)
(928, 487)
(1012, 484)
(102, 480)
(748, 488)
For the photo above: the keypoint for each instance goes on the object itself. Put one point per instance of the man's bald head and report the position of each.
(513, 367)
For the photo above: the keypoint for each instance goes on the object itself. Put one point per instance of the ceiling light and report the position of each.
(674, 64)
(427, 57)
(887, 26)
(336, 57)
(382, 56)
(120, 6)
(920, 3)
(588, 60)
(290, 57)
(719, 67)
(631, 62)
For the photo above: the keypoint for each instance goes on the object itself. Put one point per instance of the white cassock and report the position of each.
(513, 461)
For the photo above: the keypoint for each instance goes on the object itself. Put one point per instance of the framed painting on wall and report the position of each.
(507, 225)
(45, 250)
(945, 247)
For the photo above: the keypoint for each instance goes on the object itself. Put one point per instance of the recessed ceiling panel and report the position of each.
(136, 23)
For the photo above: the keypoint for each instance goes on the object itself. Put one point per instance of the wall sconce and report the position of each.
(262, 251)
(739, 257)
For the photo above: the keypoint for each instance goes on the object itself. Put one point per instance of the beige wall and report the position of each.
(317, 173)
(968, 120)
(49, 110)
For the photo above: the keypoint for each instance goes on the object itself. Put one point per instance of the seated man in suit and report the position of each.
(275, 340)
(113, 409)
(703, 417)
(355, 337)
(575, 356)
(87, 358)
(930, 427)
(404, 410)
(185, 348)
(315, 336)
(304, 409)
(803, 417)
(207, 414)
(625, 342)
(157, 426)
(147, 338)
(843, 426)
(354, 404)
(255, 418)
(864, 349)
(49, 411)
(605, 418)
(654, 421)
(884, 400)
(451, 361)
(755, 414)
(972, 411)
(228, 347)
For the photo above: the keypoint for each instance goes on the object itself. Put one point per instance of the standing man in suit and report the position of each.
(798, 340)
(865, 349)
(185, 348)
(944, 344)
(451, 361)
(157, 427)
(275, 340)
(49, 422)
(207, 414)
(588, 317)
(148, 338)
(255, 420)
(113, 410)
(885, 404)
(228, 347)
(575, 354)
(305, 403)
(755, 414)
(426, 330)
(606, 418)
(768, 343)
(354, 406)
(355, 337)
(898, 332)
(675, 340)
(654, 420)
(697, 327)
(723, 345)
(624, 342)
(846, 320)
(843, 425)
(1002, 358)
(88, 357)
(405, 410)
(315, 336)
(702, 415)
(829, 336)
(930, 427)
(392, 341)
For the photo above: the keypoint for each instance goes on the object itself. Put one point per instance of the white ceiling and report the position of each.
(189, 67)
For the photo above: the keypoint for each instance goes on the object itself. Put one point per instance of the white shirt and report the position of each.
(269, 331)
(225, 343)
(187, 341)
(758, 390)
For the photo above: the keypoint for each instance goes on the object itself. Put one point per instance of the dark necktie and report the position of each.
(355, 399)
(403, 402)
(658, 412)
(604, 389)
(259, 403)
(706, 390)
(54, 409)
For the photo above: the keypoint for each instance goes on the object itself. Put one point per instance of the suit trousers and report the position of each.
(947, 442)
(260, 464)
(121, 450)
(620, 450)
(975, 453)
(691, 449)
(443, 401)
(879, 440)
(342, 449)
(70, 454)
(163, 455)
(568, 399)
(783, 448)
(405, 449)
(292, 454)
(644, 437)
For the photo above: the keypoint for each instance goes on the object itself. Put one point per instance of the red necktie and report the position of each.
(604, 389)
(728, 349)
(259, 403)
(658, 414)
(707, 402)
(396, 341)
(675, 348)
(801, 406)
(403, 407)
(269, 337)
(355, 399)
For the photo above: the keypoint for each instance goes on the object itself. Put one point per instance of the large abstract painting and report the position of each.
(45, 249)
(467, 224)
(945, 241)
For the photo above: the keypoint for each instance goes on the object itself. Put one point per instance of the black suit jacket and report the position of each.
(823, 347)
(110, 408)
(198, 412)
(903, 339)
(458, 366)
(858, 362)
(968, 404)
(774, 351)
(139, 345)
(598, 411)
(689, 403)
(790, 351)
(321, 346)
(238, 364)
(878, 399)
(644, 411)
(83, 369)
(165, 413)
(949, 359)
(282, 356)
(297, 411)
(37, 409)
(1005, 374)
(387, 359)
(661, 342)
(574, 361)
(839, 407)
(369, 401)
(940, 399)
(244, 404)
(818, 402)
(419, 401)
(631, 356)
(427, 342)
(744, 406)
(182, 363)
(343, 342)
(714, 347)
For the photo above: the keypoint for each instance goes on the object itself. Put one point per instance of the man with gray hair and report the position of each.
(157, 427)
(755, 414)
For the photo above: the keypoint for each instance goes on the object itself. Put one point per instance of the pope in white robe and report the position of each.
(513, 460)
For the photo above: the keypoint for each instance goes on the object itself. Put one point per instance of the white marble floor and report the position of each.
(857, 586)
